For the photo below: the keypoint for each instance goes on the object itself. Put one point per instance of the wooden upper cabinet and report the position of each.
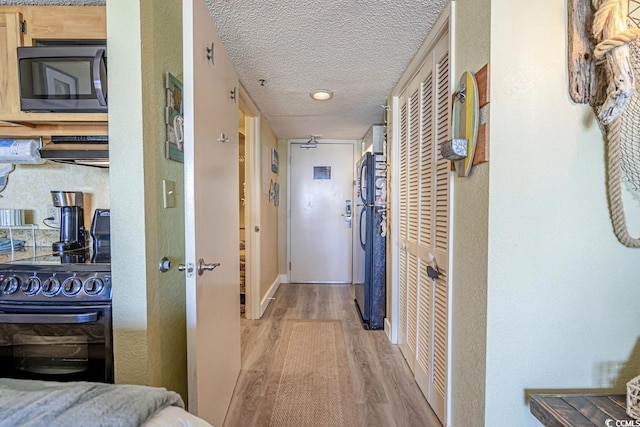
(65, 23)
(10, 39)
(25, 26)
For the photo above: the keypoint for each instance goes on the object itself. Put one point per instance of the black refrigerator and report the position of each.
(370, 248)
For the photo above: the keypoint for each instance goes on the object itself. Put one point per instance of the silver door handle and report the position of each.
(202, 266)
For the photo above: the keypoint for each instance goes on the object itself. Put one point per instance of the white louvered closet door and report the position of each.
(424, 225)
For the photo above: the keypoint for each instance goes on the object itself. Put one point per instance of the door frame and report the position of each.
(290, 142)
(252, 167)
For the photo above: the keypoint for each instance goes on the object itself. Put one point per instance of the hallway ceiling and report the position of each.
(355, 48)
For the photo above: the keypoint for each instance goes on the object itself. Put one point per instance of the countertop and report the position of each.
(27, 252)
(585, 410)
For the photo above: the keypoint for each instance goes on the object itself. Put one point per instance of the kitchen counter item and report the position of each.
(9, 244)
(11, 217)
(72, 232)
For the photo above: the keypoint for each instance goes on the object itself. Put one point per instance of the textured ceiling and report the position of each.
(355, 48)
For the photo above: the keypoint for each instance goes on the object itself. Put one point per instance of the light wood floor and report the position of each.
(385, 392)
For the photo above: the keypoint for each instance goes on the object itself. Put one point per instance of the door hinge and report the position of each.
(23, 26)
(289, 266)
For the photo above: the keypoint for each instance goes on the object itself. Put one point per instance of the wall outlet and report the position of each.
(53, 212)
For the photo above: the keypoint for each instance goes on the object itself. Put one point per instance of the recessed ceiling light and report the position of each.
(322, 95)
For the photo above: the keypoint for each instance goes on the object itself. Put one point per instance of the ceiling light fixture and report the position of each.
(322, 95)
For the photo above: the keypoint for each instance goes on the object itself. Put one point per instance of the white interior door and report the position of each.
(211, 216)
(320, 223)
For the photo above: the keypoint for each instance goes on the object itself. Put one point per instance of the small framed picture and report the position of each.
(274, 160)
(174, 119)
(276, 194)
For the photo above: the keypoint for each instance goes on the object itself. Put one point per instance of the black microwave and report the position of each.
(66, 78)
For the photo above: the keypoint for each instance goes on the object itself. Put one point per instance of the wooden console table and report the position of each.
(582, 410)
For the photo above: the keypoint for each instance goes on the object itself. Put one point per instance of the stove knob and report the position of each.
(93, 286)
(51, 287)
(31, 286)
(10, 285)
(71, 286)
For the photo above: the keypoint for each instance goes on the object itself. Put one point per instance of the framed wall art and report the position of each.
(274, 160)
(174, 120)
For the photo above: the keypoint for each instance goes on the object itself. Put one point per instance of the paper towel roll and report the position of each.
(20, 151)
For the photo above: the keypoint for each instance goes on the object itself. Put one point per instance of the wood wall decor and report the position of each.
(599, 38)
(600, 72)
(482, 145)
(481, 154)
(584, 76)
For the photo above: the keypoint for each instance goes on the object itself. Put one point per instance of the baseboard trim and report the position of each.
(387, 330)
(284, 278)
(267, 298)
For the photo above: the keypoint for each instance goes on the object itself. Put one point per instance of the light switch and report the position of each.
(168, 194)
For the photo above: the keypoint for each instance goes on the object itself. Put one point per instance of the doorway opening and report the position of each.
(249, 199)
(242, 221)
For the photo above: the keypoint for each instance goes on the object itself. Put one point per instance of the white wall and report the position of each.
(145, 39)
(127, 183)
(470, 234)
(563, 294)
(29, 188)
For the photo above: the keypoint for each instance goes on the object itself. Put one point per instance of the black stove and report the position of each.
(55, 316)
(71, 277)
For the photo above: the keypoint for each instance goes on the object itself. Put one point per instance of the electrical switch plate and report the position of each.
(168, 194)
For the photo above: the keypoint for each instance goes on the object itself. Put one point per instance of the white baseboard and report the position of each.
(267, 298)
(387, 329)
(284, 278)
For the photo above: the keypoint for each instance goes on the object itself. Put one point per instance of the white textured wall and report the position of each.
(145, 39)
(283, 208)
(127, 181)
(29, 187)
(269, 214)
(161, 34)
(563, 294)
(470, 228)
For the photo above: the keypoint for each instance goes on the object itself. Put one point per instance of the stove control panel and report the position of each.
(42, 286)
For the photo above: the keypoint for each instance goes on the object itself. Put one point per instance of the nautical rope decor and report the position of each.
(618, 51)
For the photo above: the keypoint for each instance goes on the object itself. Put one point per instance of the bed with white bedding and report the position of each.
(68, 404)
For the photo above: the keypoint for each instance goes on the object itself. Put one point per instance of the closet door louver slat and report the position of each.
(414, 165)
(412, 309)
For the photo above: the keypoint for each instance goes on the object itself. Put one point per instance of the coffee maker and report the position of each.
(72, 232)
(101, 236)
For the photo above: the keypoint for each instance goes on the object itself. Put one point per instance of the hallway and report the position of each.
(386, 394)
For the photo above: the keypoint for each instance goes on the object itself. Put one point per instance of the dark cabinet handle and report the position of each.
(97, 81)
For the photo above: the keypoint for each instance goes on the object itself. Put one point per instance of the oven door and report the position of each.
(57, 343)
